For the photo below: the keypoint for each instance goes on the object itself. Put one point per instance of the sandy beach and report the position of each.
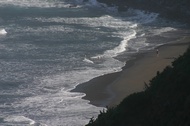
(111, 89)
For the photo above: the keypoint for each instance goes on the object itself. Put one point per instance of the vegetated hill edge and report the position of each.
(165, 101)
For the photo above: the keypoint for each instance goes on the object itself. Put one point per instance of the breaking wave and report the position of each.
(3, 32)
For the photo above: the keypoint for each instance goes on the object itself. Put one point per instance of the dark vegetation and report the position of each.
(165, 101)
(173, 9)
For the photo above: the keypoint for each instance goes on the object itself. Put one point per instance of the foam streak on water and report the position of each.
(49, 47)
(3, 32)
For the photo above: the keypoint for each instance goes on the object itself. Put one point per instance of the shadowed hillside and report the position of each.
(165, 101)
(173, 9)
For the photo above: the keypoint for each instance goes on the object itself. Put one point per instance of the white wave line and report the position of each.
(122, 46)
(3, 32)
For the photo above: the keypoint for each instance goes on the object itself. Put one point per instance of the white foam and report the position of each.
(122, 46)
(88, 61)
(108, 21)
(143, 34)
(158, 31)
(97, 57)
(34, 3)
(50, 107)
(118, 24)
(105, 21)
(48, 98)
(3, 32)
(133, 26)
(21, 120)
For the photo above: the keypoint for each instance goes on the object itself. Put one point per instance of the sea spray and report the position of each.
(3, 32)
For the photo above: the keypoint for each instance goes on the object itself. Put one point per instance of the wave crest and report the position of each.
(122, 46)
(3, 32)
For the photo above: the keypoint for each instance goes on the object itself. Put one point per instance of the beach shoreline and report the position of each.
(110, 89)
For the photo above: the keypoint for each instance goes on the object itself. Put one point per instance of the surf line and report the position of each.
(3, 32)
(88, 60)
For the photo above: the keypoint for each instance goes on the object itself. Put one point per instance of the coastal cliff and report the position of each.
(166, 98)
(178, 10)
(165, 101)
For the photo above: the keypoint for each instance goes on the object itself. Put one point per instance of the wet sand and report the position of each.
(111, 89)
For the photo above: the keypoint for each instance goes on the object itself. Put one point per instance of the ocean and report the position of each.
(49, 47)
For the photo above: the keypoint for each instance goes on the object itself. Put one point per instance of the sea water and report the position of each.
(49, 47)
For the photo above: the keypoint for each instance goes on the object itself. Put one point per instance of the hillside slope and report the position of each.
(165, 102)
(173, 9)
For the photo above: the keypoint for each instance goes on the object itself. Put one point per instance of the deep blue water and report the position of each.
(48, 47)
